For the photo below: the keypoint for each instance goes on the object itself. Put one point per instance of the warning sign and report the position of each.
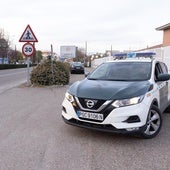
(28, 35)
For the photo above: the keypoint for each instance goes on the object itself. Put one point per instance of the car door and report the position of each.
(162, 86)
(165, 70)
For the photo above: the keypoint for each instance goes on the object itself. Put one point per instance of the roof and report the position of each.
(152, 47)
(164, 27)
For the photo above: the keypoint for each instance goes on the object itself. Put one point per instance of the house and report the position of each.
(162, 50)
(166, 34)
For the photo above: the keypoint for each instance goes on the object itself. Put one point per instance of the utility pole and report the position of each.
(86, 48)
(51, 51)
(52, 69)
(85, 52)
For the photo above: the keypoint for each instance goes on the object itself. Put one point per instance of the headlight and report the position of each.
(69, 97)
(127, 102)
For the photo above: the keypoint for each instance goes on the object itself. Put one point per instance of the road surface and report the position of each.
(33, 136)
(12, 77)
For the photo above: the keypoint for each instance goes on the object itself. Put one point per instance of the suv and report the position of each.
(124, 96)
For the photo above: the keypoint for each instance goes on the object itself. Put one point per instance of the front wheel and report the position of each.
(168, 109)
(153, 124)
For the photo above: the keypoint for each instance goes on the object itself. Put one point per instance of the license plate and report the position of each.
(88, 115)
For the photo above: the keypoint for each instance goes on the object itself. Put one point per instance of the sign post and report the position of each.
(28, 71)
(28, 49)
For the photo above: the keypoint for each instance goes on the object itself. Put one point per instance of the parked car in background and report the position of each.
(77, 67)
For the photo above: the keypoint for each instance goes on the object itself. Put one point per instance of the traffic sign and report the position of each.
(28, 35)
(28, 49)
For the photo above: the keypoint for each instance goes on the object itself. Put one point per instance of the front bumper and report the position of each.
(115, 121)
(100, 127)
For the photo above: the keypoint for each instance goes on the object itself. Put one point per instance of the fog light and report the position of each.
(133, 119)
(132, 129)
(64, 109)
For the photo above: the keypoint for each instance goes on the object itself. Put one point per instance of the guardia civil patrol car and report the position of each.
(123, 96)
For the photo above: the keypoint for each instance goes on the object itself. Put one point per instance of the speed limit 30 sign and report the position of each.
(28, 49)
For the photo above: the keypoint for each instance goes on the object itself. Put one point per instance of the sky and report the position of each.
(120, 24)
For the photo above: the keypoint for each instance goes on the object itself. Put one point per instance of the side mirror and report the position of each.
(163, 77)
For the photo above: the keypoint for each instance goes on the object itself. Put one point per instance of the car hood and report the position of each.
(108, 90)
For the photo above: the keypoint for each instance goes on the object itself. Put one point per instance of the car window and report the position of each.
(123, 71)
(156, 72)
(164, 68)
(100, 72)
(160, 68)
(77, 64)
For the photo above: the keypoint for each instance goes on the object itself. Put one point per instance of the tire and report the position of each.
(167, 109)
(153, 123)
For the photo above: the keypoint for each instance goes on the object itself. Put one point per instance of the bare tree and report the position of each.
(4, 47)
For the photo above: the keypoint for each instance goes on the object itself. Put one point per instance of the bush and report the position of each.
(50, 73)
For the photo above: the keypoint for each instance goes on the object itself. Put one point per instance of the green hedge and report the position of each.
(50, 73)
(13, 66)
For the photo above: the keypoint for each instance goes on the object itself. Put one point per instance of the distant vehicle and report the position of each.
(76, 67)
(125, 96)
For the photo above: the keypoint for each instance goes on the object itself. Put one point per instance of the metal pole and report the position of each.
(52, 69)
(85, 52)
(28, 71)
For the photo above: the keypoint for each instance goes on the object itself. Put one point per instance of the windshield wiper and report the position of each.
(92, 78)
(115, 79)
(97, 78)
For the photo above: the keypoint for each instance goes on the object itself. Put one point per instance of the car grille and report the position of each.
(101, 106)
(97, 103)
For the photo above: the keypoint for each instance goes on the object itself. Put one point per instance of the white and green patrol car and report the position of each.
(121, 96)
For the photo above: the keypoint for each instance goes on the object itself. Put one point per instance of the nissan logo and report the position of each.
(90, 103)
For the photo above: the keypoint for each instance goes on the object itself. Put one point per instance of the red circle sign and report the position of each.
(28, 49)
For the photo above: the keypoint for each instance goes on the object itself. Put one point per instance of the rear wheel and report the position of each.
(153, 124)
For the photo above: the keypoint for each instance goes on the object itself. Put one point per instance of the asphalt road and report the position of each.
(33, 136)
(12, 77)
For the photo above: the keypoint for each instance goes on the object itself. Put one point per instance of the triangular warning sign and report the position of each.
(28, 35)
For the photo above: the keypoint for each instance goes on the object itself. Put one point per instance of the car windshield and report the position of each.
(122, 71)
(77, 64)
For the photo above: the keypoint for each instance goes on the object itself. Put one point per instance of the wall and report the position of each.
(99, 61)
(162, 54)
(166, 38)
